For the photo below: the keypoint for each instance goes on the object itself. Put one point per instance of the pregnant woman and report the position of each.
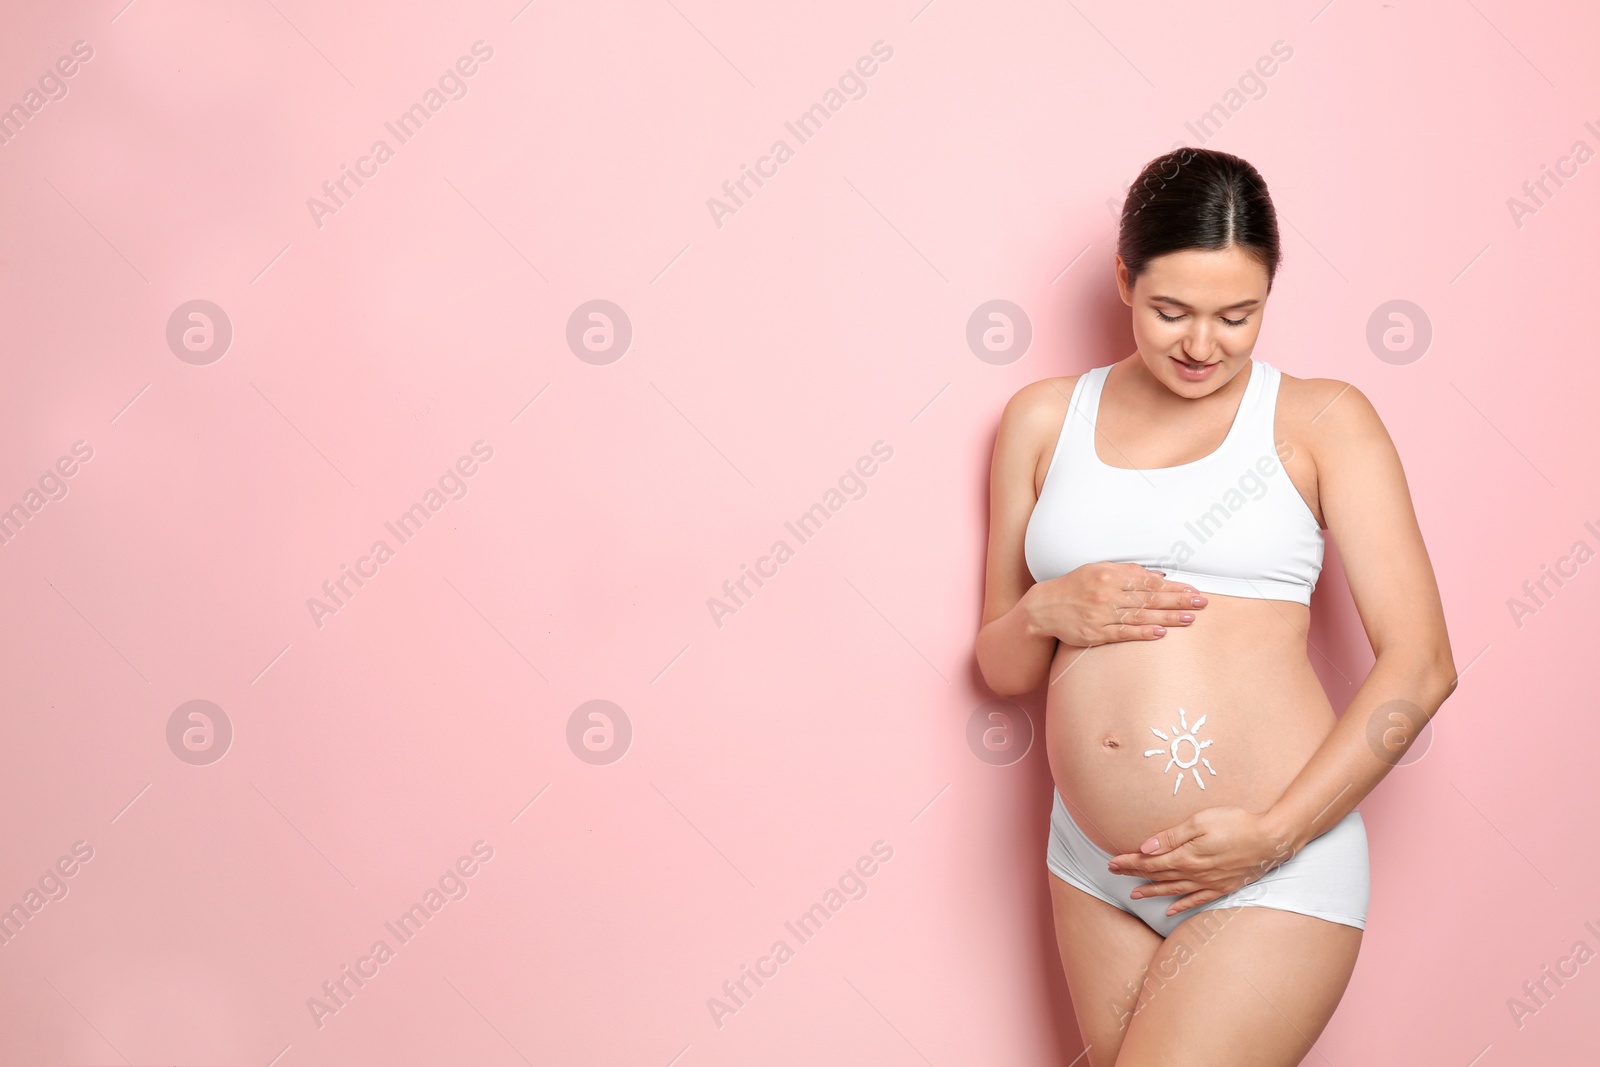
(1155, 536)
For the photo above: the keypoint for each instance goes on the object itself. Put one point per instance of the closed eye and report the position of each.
(1175, 318)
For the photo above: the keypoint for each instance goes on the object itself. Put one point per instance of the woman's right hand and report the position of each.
(1103, 602)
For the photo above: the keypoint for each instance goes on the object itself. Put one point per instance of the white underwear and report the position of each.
(1327, 879)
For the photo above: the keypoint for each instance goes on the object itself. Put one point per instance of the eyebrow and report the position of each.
(1180, 303)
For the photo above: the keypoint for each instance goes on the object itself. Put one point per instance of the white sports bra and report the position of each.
(1231, 522)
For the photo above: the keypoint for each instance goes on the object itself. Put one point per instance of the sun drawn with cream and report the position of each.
(1184, 734)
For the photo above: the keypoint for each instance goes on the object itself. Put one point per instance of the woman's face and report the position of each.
(1200, 307)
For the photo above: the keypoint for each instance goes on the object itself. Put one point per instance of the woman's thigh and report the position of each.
(1240, 987)
(1105, 952)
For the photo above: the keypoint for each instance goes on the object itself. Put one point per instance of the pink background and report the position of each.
(985, 161)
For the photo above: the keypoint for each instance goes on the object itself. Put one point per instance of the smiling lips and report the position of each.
(1195, 372)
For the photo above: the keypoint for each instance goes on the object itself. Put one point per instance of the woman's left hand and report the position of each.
(1209, 855)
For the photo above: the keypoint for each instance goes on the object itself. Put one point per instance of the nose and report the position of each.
(1200, 345)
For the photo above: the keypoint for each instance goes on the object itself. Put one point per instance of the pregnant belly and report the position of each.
(1223, 712)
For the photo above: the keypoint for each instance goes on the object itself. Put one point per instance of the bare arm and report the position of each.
(1013, 654)
(1094, 604)
(1367, 507)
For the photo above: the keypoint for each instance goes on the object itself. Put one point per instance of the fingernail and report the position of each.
(1150, 845)
(1159, 630)
(1186, 616)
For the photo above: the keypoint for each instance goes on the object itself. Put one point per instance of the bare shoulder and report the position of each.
(1029, 428)
(1038, 406)
(1328, 414)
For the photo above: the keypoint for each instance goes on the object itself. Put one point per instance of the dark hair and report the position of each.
(1198, 198)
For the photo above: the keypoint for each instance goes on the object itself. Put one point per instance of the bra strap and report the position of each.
(1086, 413)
